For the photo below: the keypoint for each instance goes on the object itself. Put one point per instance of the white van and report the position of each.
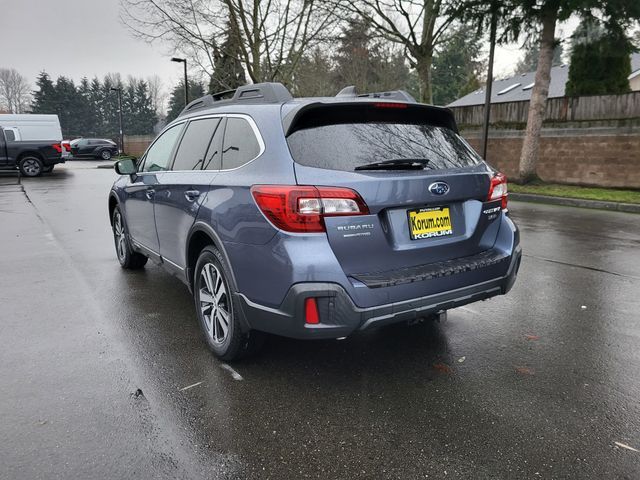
(32, 127)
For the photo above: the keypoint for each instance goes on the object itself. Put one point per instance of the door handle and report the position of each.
(150, 193)
(191, 195)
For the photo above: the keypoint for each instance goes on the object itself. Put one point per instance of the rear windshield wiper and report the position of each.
(396, 164)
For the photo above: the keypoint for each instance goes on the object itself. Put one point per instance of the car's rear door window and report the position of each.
(194, 143)
(345, 146)
(240, 143)
(213, 158)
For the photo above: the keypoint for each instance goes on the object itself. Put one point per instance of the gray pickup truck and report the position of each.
(31, 157)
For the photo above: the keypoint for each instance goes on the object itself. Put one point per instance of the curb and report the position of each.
(575, 202)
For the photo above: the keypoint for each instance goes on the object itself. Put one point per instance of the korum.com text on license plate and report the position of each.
(430, 222)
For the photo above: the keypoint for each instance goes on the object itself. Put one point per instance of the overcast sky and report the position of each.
(79, 38)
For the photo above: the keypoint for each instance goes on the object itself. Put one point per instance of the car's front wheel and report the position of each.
(217, 309)
(105, 155)
(127, 257)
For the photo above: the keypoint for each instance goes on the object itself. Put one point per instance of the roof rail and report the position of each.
(270, 92)
(350, 91)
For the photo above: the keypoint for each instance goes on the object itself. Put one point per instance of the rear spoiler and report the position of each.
(331, 113)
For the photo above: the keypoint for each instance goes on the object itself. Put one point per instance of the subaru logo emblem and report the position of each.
(438, 188)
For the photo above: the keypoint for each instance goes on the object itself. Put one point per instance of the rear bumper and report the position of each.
(49, 161)
(340, 316)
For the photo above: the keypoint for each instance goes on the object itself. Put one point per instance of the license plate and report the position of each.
(430, 222)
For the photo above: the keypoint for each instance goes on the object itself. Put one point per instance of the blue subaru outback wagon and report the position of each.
(315, 217)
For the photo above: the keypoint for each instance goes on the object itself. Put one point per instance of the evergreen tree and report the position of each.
(139, 117)
(44, 98)
(600, 60)
(87, 115)
(109, 106)
(363, 61)
(96, 102)
(228, 72)
(529, 61)
(457, 66)
(69, 107)
(314, 78)
(176, 98)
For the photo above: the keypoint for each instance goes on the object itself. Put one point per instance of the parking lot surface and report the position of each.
(105, 374)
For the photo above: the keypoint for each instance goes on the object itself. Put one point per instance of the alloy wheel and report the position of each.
(214, 303)
(31, 167)
(119, 235)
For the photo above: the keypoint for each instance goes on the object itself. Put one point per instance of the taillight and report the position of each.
(498, 189)
(66, 146)
(57, 147)
(302, 208)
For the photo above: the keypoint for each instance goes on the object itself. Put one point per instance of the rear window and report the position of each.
(346, 146)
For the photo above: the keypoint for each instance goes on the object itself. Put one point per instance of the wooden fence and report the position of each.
(137, 144)
(562, 109)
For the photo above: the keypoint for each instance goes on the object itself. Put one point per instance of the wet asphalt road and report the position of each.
(540, 383)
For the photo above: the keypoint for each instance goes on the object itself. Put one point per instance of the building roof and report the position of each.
(518, 88)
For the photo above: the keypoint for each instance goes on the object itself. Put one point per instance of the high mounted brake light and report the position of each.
(498, 189)
(390, 105)
(301, 208)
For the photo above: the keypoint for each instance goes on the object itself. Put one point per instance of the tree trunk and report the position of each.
(538, 103)
(423, 68)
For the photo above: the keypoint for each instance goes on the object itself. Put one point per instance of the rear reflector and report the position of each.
(311, 315)
(301, 208)
(498, 189)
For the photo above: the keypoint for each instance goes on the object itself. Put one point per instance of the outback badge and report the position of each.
(439, 188)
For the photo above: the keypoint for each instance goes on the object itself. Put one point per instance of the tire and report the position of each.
(128, 258)
(104, 155)
(48, 169)
(212, 279)
(30, 166)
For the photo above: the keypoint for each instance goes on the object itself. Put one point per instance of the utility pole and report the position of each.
(119, 90)
(186, 81)
(487, 97)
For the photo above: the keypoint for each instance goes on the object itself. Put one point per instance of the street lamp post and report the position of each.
(186, 82)
(119, 90)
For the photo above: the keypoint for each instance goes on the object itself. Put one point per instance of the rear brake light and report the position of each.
(498, 189)
(311, 314)
(302, 208)
(57, 147)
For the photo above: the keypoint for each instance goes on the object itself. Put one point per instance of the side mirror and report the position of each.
(126, 167)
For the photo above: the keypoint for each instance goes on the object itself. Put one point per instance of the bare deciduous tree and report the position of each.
(419, 26)
(157, 94)
(15, 91)
(274, 34)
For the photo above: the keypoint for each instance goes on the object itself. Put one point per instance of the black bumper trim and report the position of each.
(432, 270)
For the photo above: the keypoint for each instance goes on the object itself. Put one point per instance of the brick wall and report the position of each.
(582, 156)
